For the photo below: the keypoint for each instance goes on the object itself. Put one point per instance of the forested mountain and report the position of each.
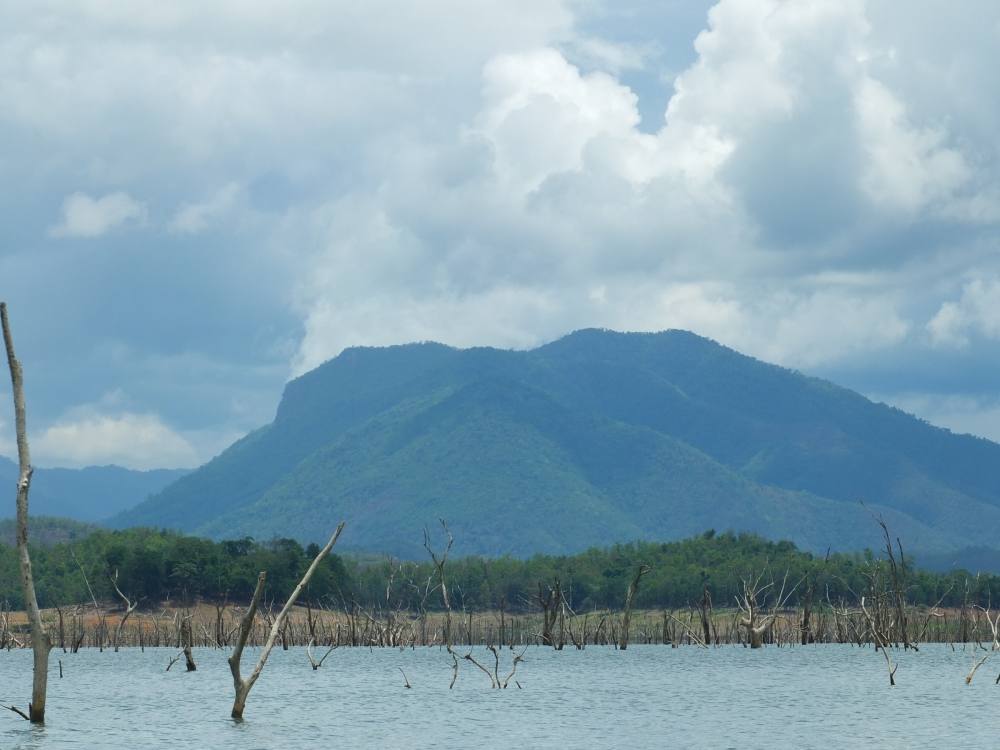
(596, 438)
(89, 494)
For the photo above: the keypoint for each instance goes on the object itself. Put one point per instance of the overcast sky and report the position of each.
(200, 200)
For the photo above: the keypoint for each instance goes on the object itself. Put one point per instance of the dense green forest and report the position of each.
(162, 565)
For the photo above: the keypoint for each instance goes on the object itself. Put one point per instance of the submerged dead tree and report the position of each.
(439, 563)
(550, 602)
(102, 628)
(705, 610)
(880, 637)
(40, 643)
(750, 607)
(130, 607)
(752, 604)
(897, 573)
(633, 589)
(242, 686)
(187, 638)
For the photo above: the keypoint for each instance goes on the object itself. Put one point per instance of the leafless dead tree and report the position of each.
(102, 626)
(439, 563)
(752, 604)
(316, 664)
(994, 624)
(549, 598)
(705, 610)
(633, 588)
(881, 639)
(40, 643)
(242, 686)
(130, 607)
(897, 573)
(187, 637)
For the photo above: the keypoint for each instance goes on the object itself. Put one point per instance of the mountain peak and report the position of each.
(598, 436)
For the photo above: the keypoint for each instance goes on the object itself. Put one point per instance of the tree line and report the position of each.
(157, 565)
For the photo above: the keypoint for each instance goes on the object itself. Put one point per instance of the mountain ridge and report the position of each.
(597, 437)
(90, 494)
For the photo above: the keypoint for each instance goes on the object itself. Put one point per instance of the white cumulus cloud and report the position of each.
(540, 113)
(977, 310)
(780, 153)
(136, 441)
(84, 216)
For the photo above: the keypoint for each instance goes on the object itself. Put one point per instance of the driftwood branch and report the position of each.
(174, 660)
(468, 657)
(454, 669)
(689, 631)
(18, 711)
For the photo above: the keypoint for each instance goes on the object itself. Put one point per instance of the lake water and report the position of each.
(645, 697)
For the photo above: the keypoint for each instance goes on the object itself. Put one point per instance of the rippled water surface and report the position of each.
(645, 697)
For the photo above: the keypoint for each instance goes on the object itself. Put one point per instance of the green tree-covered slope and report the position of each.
(596, 438)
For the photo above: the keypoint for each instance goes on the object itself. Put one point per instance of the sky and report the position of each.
(202, 200)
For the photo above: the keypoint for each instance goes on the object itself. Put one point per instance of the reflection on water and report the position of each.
(645, 697)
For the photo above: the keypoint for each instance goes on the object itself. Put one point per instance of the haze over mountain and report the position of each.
(90, 494)
(595, 438)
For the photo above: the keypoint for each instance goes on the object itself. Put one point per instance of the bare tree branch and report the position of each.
(243, 687)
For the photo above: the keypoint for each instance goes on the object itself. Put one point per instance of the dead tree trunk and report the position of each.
(705, 610)
(242, 687)
(805, 631)
(439, 564)
(751, 611)
(62, 631)
(101, 628)
(130, 607)
(633, 588)
(881, 641)
(751, 603)
(549, 602)
(40, 643)
(898, 572)
(186, 639)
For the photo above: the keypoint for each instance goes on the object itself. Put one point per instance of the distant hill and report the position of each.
(90, 494)
(595, 438)
(46, 531)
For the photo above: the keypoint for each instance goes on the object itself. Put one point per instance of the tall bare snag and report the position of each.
(633, 589)
(40, 643)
